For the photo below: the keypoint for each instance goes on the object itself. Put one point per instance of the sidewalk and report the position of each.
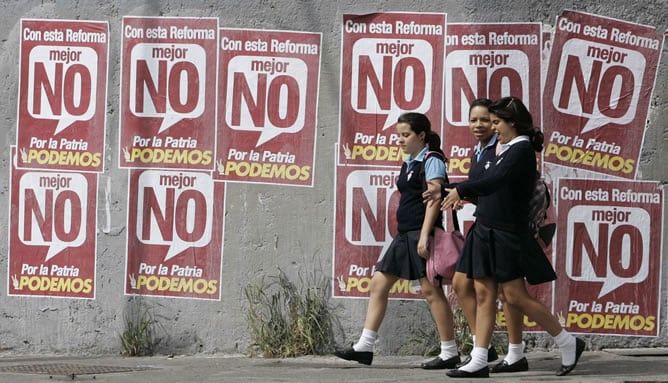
(634, 365)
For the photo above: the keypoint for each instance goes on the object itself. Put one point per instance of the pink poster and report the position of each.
(609, 244)
(597, 93)
(168, 93)
(487, 61)
(268, 102)
(62, 95)
(391, 63)
(52, 233)
(175, 234)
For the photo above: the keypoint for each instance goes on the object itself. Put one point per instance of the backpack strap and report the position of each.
(424, 163)
(455, 221)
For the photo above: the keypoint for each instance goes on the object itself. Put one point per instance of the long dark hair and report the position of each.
(420, 123)
(512, 110)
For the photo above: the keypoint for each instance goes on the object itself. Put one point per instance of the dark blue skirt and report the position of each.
(401, 257)
(504, 256)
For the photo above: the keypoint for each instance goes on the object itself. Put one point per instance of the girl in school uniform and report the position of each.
(499, 246)
(406, 256)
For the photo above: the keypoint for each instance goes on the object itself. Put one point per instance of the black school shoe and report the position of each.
(348, 353)
(440, 364)
(503, 366)
(579, 348)
(492, 355)
(482, 373)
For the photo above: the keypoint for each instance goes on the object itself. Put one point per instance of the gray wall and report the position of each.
(266, 226)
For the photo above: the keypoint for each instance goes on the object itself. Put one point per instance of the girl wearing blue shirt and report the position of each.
(406, 256)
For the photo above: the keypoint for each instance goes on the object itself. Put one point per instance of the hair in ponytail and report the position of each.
(419, 123)
(537, 139)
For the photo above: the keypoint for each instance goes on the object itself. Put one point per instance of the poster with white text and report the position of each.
(175, 234)
(608, 252)
(365, 222)
(168, 90)
(268, 102)
(597, 93)
(391, 63)
(62, 103)
(487, 61)
(52, 233)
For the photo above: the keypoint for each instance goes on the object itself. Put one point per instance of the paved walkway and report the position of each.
(637, 365)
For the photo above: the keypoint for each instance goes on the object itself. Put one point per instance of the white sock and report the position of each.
(448, 349)
(366, 341)
(478, 360)
(566, 343)
(515, 353)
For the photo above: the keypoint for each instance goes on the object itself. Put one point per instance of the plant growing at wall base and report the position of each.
(287, 319)
(139, 337)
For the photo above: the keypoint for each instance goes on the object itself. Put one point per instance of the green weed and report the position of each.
(288, 320)
(139, 338)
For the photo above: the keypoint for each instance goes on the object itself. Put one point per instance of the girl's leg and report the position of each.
(463, 287)
(442, 314)
(379, 288)
(362, 351)
(485, 290)
(514, 323)
(440, 309)
(516, 294)
(570, 347)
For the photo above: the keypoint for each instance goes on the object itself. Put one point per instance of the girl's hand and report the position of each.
(451, 200)
(433, 193)
(423, 246)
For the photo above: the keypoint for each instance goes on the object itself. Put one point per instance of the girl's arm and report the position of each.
(513, 164)
(430, 215)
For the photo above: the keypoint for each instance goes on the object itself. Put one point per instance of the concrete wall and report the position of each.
(266, 226)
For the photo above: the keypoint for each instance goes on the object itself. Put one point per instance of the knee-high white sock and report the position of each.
(478, 360)
(515, 352)
(448, 349)
(366, 341)
(566, 343)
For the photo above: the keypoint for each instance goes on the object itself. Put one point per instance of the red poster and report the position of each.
(175, 234)
(268, 99)
(366, 205)
(597, 93)
(609, 241)
(62, 94)
(487, 61)
(391, 63)
(52, 238)
(168, 93)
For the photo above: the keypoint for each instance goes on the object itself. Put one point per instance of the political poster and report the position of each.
(52, 233)
(175, 234)
(268, 102)
(608, 253)
(168, 92)
(365, 223)
(62, 96)
(487, 61)
(597, 93)
(391, 63)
